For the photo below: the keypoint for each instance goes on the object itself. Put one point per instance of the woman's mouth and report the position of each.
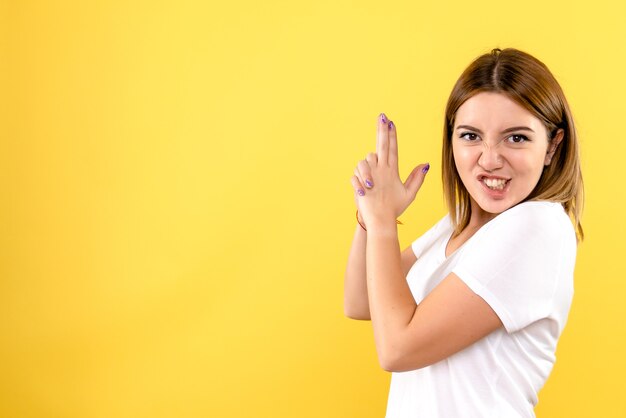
(496, 184)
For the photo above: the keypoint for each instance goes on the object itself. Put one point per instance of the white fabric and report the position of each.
(522, 264)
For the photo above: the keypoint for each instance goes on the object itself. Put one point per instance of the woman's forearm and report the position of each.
(356, 304)
(390, 300)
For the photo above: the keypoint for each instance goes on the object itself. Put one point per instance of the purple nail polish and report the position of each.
(361, 192)
(391, 125)
(383, 118)
(368, 183)
(425, 169)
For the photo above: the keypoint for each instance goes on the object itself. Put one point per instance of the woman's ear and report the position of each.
(554, 143)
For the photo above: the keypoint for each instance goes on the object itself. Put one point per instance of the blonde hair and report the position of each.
(528, 82)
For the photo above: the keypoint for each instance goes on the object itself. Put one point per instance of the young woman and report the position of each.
(468, 317)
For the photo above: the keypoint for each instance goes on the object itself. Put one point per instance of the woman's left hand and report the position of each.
(380, 195)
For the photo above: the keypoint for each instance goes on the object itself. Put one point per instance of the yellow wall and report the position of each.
(176, 209)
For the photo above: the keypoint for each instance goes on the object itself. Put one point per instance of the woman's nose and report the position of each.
(490, 158)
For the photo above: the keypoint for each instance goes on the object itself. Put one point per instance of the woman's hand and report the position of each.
(379, 193)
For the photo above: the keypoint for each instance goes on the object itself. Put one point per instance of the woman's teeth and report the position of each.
(495, 184)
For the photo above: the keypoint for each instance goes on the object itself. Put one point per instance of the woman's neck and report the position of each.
(478, 216)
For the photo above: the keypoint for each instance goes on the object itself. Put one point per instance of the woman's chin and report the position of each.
(494, 206)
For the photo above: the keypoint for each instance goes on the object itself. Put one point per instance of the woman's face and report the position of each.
(500, 150)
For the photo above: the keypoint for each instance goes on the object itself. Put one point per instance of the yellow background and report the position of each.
(176, 209)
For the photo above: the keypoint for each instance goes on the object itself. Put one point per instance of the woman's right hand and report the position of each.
(379, 194)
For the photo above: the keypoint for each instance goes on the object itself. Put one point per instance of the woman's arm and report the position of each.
(356, 302)
(410, 336)
(452, 316)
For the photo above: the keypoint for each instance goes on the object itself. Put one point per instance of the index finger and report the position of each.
(382, 140)
(393, 144)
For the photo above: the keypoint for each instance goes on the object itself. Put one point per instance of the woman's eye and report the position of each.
(518, 139)
(468, 136)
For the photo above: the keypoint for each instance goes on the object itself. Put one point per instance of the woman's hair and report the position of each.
(528, 82)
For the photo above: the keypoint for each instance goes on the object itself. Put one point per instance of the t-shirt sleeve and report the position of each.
(516, 261)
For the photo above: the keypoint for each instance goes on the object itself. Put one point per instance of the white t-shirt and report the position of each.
(522, 264)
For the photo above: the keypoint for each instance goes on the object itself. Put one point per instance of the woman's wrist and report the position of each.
(360, 220)
(382, 227)
(379, 224)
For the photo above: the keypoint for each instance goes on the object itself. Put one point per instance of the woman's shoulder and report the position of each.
(536, 210)
(535, 235)
(543, 218)
(538, 207)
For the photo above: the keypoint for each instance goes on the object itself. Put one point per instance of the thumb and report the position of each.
(416, 178)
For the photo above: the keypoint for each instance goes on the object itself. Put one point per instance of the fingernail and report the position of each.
(368, 183)
(383, 118)
(391, 125)
(425, 169)
(361, 192)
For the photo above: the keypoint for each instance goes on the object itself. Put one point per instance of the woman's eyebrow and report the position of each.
(514, 128)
